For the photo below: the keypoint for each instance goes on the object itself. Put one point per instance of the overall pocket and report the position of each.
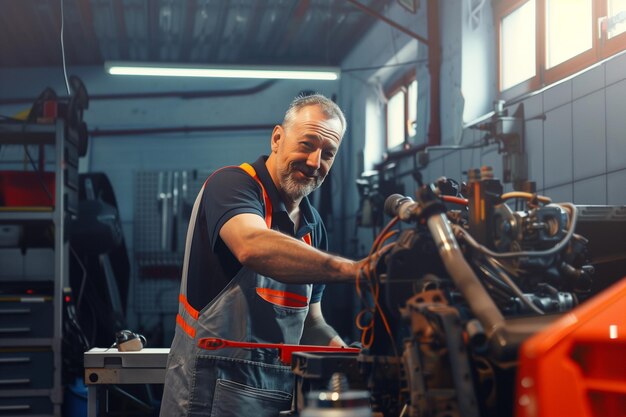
(232, 399)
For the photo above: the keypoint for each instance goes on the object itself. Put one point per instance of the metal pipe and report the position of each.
(161, 94)
(176, 129)
(389, 21)
(463, 276)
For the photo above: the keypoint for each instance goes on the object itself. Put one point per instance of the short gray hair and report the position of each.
(328, 107)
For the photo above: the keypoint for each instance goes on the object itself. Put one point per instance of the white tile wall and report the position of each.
(534, 151)
(557, 95)
(588, 82)
(582, 139)
(589, 135)
(558, 146)
(590, 191)
(616, 187)
(533, 106)
(563, 193)
(616, 69)
(616, 126)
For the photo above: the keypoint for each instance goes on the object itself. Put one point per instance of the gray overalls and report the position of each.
(235, 382)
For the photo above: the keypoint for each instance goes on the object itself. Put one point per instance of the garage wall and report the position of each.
(120, 157)
(578, 153)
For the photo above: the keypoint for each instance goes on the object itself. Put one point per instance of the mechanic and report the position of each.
(254, 270)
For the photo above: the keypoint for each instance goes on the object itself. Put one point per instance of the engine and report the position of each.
(448, 299)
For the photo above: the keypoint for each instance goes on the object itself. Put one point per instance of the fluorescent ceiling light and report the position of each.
(164, 70)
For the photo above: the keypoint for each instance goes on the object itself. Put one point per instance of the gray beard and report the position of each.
(297, 190)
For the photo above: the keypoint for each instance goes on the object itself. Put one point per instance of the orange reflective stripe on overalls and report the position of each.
(191, 312)
(282, 298)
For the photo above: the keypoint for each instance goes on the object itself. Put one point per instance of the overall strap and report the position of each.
(268, 204)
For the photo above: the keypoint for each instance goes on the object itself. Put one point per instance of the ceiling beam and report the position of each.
(14, 47)
(251, 41)
(390, 22)
(122, 35)
(278, 31)
(92, 47)
(153, 30)
(218, 34)
(186, 42)
(295, 24)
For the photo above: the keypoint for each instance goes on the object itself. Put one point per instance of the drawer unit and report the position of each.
(24, 267)
(34, 257)
(25, 406)
(26, 317)
(26, 368)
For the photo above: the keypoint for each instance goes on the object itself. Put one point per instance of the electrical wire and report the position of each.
(373, 282)
(67, 83)
(556, 248)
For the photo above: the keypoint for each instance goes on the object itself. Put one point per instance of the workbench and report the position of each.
(108, 367)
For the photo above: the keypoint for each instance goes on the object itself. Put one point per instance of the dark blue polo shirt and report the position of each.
(228, 192)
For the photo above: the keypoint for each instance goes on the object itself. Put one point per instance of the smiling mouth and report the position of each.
(311, 176)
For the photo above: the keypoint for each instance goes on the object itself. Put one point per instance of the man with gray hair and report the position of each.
(254, 271)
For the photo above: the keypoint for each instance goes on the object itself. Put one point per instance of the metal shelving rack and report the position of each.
(22, 395)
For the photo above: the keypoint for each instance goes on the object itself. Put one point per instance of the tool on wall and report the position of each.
(186, 206)
(175, 212)
(173, 207)
(164, 197)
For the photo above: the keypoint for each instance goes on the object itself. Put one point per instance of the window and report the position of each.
(517, 54)
(543, 41)
(567, 37)
(401, 111)
(395, 120)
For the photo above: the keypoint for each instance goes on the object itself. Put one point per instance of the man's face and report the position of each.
(305, 151)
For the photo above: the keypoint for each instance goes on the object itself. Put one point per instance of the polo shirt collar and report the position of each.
(309, 220)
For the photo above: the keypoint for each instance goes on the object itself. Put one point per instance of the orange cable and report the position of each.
(455, 200)
(375, 252)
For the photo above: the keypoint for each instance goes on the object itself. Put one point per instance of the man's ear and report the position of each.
(277, 135)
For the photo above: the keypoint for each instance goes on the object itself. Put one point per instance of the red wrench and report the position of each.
(212, 343)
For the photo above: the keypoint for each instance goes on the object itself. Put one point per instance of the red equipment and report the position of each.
(212, 343)
(577, 365)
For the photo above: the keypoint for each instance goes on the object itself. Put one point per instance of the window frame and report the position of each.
(400, 85)
(601, 47)
(613, 46)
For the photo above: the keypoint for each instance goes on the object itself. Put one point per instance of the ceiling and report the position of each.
(245, 32)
